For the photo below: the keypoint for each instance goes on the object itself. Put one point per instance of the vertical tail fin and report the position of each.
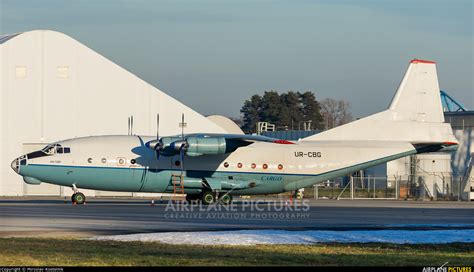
(415, 114)
(418, 96)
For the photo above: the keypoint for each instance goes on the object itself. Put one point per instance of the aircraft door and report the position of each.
(157, 178)
(137, 174)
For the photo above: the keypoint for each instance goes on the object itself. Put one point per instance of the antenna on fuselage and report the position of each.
(128, 132)
(130, 125)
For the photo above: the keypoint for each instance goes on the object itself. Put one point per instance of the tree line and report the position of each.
(288, 110)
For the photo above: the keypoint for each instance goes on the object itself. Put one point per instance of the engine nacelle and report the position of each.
(192, 146)
(169, 146)
(197, 146)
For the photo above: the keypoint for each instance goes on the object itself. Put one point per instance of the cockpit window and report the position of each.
(49, 150)
(52, 149)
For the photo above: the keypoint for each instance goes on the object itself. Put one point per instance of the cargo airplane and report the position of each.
(213, 167)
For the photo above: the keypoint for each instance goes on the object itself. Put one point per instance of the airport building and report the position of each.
(52, 88)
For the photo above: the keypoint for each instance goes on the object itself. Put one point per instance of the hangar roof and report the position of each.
(4, 38)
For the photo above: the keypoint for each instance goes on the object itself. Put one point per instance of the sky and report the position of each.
(212, 55)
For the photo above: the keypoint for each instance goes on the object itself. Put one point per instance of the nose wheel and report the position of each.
(78, 198)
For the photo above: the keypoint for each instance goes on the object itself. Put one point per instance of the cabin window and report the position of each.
(121, 161)
(60, 150)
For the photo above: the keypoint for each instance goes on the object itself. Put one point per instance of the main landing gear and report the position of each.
(226, 199)
(208, 198)
(78, 197)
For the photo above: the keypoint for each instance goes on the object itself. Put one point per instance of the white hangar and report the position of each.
(52, 87)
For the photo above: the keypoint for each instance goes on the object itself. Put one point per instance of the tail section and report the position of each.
(415, 114)
(418, 97)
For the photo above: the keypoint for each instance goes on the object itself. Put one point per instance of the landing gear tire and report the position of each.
(191, 198)
(226, 199)
(207, 198)
(78, 198)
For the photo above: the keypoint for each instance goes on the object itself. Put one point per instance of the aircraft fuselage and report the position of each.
(124, 163)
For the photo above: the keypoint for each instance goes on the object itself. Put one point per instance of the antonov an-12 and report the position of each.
(213, 167)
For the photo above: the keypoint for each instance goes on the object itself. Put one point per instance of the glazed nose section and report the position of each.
(17, 163)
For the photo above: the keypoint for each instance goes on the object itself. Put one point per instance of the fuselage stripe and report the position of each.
(229, 172)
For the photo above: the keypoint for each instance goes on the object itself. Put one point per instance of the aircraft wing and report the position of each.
(198, 144)
(241, 137)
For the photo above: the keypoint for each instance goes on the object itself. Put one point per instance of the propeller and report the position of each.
(156, 145)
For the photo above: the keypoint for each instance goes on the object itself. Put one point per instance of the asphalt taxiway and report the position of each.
(54, 217)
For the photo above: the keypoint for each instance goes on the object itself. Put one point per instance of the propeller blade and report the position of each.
(157, 126)
(183, 145)
(181, 155)
(182, 126)
(157, 147)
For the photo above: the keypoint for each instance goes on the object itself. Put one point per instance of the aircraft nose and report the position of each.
(16, 163)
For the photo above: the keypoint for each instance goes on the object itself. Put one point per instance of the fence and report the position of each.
(427, 187)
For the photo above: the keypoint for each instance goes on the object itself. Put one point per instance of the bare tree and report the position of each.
(335, 112)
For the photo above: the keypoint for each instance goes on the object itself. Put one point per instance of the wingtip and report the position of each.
(416, 61)
(449, 143)
(282, 142)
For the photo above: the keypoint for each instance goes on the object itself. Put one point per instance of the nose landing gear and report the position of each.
(78, 197)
